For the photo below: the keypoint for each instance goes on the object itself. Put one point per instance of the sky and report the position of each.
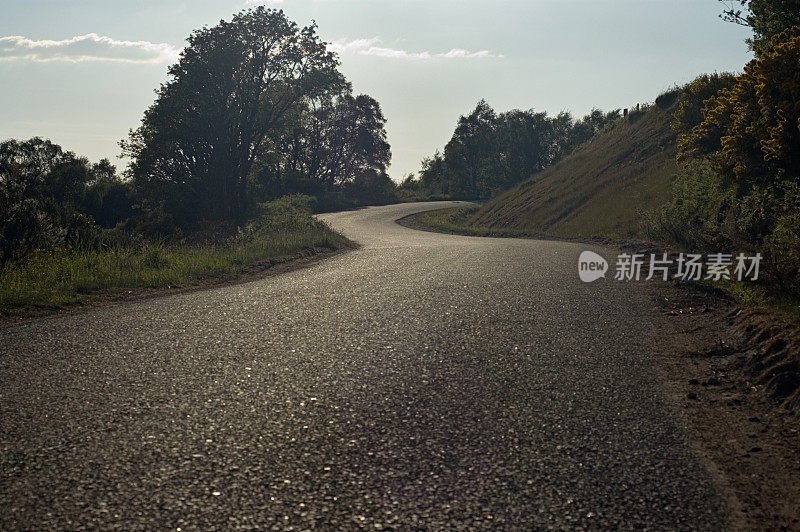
(82, 72)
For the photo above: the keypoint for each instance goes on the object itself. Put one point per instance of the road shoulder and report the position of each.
(713, 357)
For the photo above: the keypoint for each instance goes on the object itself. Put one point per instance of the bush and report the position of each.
(693, 100)
(155, 225)
(286, 214)
(747, 193)
(783, 248)
(30, 224)
(24, 226)
(712, 213)
(750, 130)
(58, 277)
(668, 98)
(699, 212)
(49, 199)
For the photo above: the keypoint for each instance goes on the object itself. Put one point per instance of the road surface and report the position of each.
(424, 381)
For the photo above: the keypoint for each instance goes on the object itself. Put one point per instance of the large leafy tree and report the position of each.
(331, 141)
(472, 153)
(230, 90)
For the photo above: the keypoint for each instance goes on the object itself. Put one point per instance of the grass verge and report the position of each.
(454, 220)
(55, 279)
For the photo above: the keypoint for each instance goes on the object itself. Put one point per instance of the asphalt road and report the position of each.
(424, 381)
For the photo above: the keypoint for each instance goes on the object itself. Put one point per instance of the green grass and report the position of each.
(454, 220)
(52, 280)
(754, 295)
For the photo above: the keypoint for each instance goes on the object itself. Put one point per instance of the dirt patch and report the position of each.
(255, 271)
(732, 373)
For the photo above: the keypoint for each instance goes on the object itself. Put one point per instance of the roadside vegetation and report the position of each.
(599, 190)
(739, 183)
(275, 117)
(62, 276)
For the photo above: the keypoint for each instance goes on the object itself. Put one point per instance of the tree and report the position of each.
(327, 146)
(472, 152)
(336, 139)
(107, 198)
(767, 18)
(230, 90)
(434, 176)
(591, 124)
(490, 152)
(41, 190)
(43, 170)
(410, 182)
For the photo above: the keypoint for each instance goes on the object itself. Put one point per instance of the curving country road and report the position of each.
(423, 381)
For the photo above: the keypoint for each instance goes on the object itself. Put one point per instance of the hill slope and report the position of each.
(597, 190)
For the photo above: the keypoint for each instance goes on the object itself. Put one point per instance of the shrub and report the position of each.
(699, 211)
(746, 192)
(693, 99)
(151, 225)
(668, 98)
(783, 247)
(710, 212)
(289, 213)
(30, 224)
(750, 130)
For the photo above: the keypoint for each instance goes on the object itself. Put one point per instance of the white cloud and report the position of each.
(90, 47)
(371, 47)
(93, 47)
(263, 2)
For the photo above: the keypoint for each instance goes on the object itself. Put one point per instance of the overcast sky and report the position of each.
(81, 72)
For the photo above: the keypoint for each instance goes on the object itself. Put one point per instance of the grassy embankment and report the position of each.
(601, 189)
(50, 280)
